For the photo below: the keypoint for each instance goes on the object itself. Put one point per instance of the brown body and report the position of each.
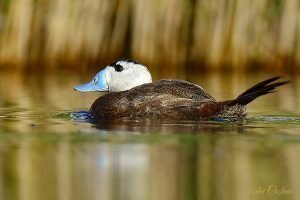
(178, 100)
(165, 99)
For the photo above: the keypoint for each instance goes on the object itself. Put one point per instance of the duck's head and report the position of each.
(119, 76)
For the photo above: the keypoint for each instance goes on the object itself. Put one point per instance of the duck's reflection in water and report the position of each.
(169, 127)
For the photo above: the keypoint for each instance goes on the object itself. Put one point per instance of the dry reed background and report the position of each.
(214, 34)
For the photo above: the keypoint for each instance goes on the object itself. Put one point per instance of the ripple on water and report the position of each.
(275, 119)
(84, 116)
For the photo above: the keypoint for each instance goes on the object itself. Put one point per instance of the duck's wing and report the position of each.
(164, 99)
(175, 88)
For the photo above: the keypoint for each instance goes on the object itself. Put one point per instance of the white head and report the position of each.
(119, 76)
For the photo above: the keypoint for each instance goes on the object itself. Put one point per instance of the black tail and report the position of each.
(260, 89)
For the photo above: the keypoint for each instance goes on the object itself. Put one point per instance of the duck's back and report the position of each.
(176, 88)
(165, 99)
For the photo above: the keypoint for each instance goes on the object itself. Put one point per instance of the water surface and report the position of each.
(45, 154)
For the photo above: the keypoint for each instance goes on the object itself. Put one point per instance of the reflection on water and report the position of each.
(44, 154)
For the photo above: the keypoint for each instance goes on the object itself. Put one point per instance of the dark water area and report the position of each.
(45, 154)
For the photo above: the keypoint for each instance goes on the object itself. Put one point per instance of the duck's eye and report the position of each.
(118, 68)
(94, 80)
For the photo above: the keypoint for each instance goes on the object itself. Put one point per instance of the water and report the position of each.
(45, 154)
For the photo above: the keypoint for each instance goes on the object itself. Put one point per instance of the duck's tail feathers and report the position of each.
(260, 89)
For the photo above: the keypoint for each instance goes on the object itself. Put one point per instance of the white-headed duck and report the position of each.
(132, 94)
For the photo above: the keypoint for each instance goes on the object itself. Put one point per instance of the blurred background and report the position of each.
(173, 35)
(226, 46)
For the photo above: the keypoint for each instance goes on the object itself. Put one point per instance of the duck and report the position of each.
(131, 94)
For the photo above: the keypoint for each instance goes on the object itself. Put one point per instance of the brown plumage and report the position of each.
(177, 100)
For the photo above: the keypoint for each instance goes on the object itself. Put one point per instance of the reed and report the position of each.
(216, 34)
